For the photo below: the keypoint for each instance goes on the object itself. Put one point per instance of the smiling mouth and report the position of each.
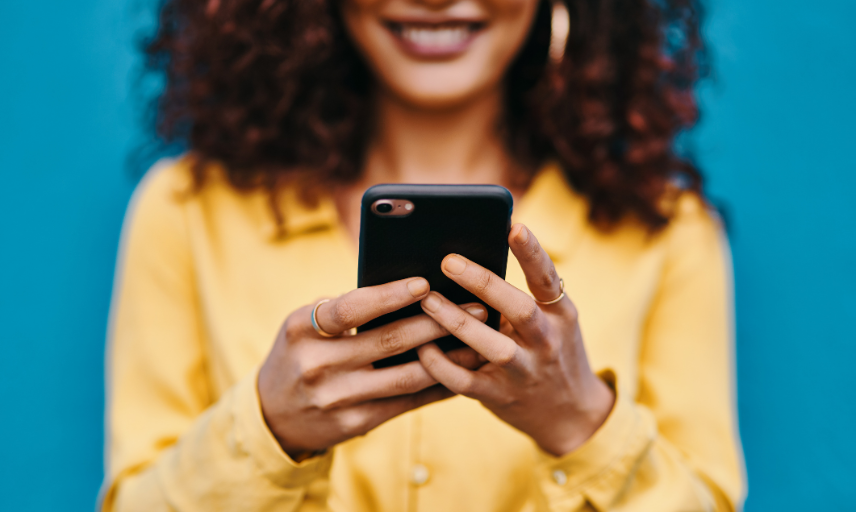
(435, 39)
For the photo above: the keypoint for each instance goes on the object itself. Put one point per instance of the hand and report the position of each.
(537, 378)
(317, 392)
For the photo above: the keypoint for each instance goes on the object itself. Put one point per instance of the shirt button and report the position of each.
(560, 477)
(419, 474)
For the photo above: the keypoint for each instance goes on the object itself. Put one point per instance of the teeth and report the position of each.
(439, 37)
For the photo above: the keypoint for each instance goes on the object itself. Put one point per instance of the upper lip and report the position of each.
(398, 25)
(434, 20)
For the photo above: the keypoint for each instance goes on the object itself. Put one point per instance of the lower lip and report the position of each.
(431, 51)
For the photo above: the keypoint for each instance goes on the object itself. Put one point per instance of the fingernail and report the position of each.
(431, 302)
(454, 264)
(418, 287)
(522, 235)
(478, 312)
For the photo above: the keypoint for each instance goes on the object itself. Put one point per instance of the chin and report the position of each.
(434, 99)
(436, 91)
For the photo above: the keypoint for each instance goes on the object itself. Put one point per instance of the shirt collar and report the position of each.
(554, 212)
(551, 209)
(297, 217)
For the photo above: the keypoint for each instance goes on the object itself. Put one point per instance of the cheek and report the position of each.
(440, 83)
(512, 14)
(512, 21)
(361, 22)
(358, 17)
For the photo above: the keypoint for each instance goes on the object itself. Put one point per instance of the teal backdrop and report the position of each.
(777, 142)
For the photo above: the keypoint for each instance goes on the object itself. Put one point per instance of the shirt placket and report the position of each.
(418, 473)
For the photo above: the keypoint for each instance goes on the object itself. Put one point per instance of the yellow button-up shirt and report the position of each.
(205, 280)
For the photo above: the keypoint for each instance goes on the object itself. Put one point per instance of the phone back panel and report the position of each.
(470, 220)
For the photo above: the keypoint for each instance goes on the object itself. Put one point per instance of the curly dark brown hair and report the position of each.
(274, 91)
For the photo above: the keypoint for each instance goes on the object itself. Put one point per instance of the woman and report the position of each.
(290, 110)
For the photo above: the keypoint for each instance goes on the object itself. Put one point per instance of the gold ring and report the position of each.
(315, 326)
(557, 299)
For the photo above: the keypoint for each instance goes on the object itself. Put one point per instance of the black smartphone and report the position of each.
(407, 230)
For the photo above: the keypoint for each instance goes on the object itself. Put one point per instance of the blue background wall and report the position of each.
(777, 141)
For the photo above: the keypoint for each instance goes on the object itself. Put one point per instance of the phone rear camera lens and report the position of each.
(384, 208)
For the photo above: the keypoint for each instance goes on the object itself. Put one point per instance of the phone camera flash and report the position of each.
(393, 207)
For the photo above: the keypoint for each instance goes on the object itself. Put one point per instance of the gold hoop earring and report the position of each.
(560, 27)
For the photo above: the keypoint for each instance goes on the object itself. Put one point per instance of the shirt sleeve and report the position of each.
(674, 447)
(170, 446)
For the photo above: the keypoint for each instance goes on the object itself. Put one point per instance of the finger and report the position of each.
(516, 305)
(370, 384)
(357, 307)
(495, 347)
(467, 357)
(505, 326)
(360, 419)
(405, 379)
(456, 378)
(395, 338)
(540, 272)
